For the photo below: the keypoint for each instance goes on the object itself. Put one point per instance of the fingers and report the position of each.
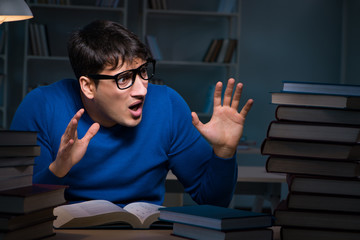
(237, 96)
(91, 132)
(70, 131)
(217, 94)
(245, 110)
(196, 121)
(228, 92)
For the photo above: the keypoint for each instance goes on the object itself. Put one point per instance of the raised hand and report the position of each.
(72, 149)
(226, 125)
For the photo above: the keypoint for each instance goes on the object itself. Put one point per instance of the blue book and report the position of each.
(321, 88)
(213, 217)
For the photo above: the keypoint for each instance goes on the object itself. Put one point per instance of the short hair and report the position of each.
(103, 43)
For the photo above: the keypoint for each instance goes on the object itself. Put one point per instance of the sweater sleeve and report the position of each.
(207, 178)
(31, 116)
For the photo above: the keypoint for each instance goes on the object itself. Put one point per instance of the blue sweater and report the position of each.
(127, 164)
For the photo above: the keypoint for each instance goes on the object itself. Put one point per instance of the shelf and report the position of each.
(76, 7)
(195, 63)
(48, 53)
(55, 58)
(195, 13)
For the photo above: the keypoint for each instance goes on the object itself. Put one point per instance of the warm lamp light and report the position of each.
(14, 10)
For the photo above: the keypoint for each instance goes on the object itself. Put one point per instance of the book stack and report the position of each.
(209, 222)
(315, 140)
(26, 209)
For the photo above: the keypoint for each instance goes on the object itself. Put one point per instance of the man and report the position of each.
(112, 135)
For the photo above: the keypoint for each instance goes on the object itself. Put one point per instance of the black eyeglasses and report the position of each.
(127, 78)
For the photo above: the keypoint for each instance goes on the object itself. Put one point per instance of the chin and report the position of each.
(132, 122)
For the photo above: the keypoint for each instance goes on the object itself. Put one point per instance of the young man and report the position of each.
(112, 135)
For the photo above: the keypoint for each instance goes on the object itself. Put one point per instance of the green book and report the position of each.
(213, 217)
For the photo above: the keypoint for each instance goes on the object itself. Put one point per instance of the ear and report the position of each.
(87, 87)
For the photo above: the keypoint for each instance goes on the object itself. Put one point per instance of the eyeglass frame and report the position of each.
(135, 72)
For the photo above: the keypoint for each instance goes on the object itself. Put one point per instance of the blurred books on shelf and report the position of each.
(220, 50)
(152, 43)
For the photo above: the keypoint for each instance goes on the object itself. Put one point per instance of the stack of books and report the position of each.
(209, 222)
(26, 209)
(315, 140)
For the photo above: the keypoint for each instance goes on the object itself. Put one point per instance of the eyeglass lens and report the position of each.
(146, 72)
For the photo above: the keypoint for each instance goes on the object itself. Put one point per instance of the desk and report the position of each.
(124, 234)
(251, 181)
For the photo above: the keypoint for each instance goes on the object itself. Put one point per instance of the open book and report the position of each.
(102, 212)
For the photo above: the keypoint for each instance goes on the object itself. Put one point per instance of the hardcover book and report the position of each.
(31, 198)
(319, 115)
(316, 219)
(323, 202)
(201, 233)
(316, 100)
(310, 166)
(10, 138)
(213, 217)
(10, 222)
(325, 185)
(292, 233)
(313, 132)
(323, 88)
(311, 149)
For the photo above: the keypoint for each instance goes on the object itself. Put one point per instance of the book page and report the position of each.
(91, 213)
(143, 210)
(91, 208)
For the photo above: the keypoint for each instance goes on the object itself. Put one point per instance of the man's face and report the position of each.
(115, 106)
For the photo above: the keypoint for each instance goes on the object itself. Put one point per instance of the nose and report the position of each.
(139, 88)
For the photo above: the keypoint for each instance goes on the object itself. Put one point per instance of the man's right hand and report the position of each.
(72, 149)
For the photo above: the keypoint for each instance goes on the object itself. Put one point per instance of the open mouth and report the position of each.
(136, 106)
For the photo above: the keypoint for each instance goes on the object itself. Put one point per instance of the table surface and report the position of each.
(124, 234)
(250, 174)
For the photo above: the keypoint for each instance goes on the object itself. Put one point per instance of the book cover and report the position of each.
(11, 222)
(16, 161)
(296, 233)
(16, 171)
(323, 202)
(38, 231)
(201, 233)
(323, 88)
(324, 185)
(10, 138)
(315, 219)
(317, 114)
(210, 50)
(20, 151)
(310, 166)
(139, 215)
(214, 217)
(316, 100)
(31, 198)
(15, 182)
(314, 132)
(311, 149)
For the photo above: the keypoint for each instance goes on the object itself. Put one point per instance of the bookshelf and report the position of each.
(59, 19)
(184, 31)
(3, 74)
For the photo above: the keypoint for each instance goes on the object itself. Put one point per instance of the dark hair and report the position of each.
(103, 43)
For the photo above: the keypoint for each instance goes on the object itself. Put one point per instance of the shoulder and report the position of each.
(163, 94)
(61, 91)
